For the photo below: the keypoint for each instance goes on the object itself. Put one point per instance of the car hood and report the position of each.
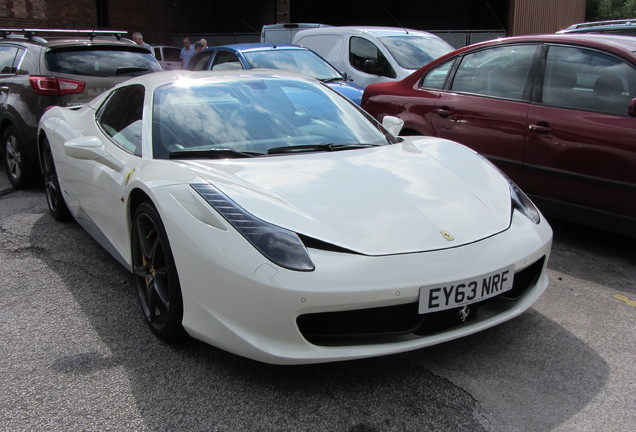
(420, 195)
(348, 89)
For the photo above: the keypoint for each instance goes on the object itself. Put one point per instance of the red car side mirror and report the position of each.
(631, 109)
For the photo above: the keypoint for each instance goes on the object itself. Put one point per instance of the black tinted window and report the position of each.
(366, 57)
(121, 115)
(226, 61)
(101, 61)
(171, 54)
(200, 61)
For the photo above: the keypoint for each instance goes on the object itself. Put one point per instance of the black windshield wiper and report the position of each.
(212, 153)
(333, 79)
(317, 147)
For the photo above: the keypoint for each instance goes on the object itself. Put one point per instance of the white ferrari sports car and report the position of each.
(267, 215)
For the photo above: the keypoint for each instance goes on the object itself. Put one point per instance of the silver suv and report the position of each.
(40, 68)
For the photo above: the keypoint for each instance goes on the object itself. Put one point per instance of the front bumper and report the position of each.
(237, 300)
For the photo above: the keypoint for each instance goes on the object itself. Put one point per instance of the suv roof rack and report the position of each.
(601, 23)
(37, 34)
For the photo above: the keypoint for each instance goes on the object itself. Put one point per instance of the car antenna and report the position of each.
(256, 31)
(399, 24)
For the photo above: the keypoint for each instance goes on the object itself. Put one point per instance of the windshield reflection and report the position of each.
(300, 61)
(254, 115)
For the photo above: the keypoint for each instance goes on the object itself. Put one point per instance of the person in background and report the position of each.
(198, 46)
(204, 42)
(139, 40)
(186, 52)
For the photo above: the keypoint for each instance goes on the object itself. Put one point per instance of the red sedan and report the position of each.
(557, 113)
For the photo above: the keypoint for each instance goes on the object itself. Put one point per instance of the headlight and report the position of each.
(281, 246)
(521, 202)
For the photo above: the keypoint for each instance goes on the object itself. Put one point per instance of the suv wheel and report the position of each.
(19, 171)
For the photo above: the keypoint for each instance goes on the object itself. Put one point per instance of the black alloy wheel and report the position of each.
(19, 170)
(54, 197)
(156, 275)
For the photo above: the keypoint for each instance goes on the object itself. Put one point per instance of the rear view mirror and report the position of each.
(393, 124)
(631, 109)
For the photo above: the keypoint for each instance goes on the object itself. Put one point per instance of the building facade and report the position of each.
(164, 21)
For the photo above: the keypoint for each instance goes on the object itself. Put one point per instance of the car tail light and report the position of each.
(52, 86)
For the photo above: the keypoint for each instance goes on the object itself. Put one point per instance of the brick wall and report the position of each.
(156, 19)
(23, 13)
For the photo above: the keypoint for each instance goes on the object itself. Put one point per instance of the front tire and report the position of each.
(54, 197)
(21, 173)
(156, 275)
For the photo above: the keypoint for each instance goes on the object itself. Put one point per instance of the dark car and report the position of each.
(285, 57)
(557, 113)
(41, 68)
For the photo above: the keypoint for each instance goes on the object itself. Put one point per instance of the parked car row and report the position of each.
(42, 67)
(265, 213)
(557, 113)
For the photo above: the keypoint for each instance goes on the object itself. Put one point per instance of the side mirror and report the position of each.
(631, 109)
(392, 124)
(91, 148)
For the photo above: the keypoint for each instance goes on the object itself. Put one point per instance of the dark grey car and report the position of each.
(41, 68)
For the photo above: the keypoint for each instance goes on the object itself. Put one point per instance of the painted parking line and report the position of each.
(624, 299)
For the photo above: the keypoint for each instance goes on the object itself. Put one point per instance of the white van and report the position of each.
(373, 54)
(283, 34)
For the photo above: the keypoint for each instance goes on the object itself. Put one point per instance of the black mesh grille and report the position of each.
(393, 323)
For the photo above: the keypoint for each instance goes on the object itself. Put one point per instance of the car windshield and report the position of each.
(101, 61)
(248, 116)
(304, 62)
(412, 51)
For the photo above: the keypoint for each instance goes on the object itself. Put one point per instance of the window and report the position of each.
(120, 117)
(436, 78)
(100, 61)
(254, 116)
(171, 54)
(366, 57)
(226, 61)
(7, 59)
(589, 80)
(200, 62)
(302, 61)
(412, 51)
(501, 71)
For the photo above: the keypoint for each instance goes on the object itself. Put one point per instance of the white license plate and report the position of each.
(450, 295)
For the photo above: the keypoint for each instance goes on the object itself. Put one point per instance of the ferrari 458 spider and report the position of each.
(265, 214)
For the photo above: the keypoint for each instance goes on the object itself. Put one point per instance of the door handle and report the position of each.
(540, 127)
(444, 111)
(4, 88)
